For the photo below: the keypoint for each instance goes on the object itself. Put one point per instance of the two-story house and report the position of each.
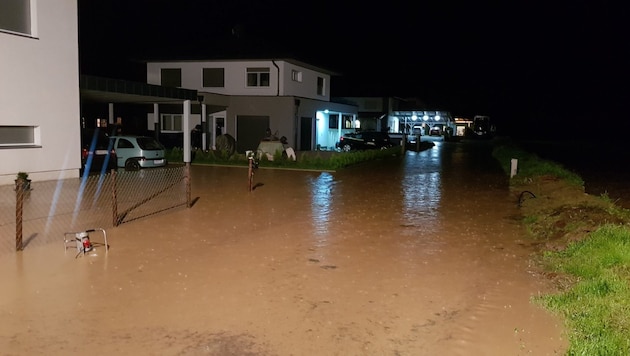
(245, 98)
(39, 89)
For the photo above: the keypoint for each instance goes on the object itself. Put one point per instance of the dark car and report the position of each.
(364, 140)
(97, 154)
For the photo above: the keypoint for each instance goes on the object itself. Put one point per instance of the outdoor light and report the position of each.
(437, 117)
(414, 117)
(425, 117)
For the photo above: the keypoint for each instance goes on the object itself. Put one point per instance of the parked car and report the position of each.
(135, 152)
(364, 140)
(435, 131)
(96, 153)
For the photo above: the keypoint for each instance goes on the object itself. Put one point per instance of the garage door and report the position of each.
(250, 130)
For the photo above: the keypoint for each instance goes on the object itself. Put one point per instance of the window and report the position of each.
(15, 16)
(347, 121)
(257, 77)
(296, 76)
(333, 121)
(171, 77)
(171, 122)
(213, 77)
(124, 143)
(320, 86)
(14, 136)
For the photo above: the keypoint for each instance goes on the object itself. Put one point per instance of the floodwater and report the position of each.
(420, 255)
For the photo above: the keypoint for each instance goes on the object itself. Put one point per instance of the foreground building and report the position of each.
(39, 90)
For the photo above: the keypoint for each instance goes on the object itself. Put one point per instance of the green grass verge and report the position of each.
(597, 304)
(595, 298)
(530, 165)
(314, 160)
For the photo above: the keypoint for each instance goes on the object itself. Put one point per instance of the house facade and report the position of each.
(245, 98)
(39, 90)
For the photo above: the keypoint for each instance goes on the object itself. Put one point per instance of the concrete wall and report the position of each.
(39, 87)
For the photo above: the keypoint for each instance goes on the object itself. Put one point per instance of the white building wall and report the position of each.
(236, 78)
(39, 86)
(306, 87)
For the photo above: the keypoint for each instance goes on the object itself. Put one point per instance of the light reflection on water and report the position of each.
(322, 190)
(421, 189)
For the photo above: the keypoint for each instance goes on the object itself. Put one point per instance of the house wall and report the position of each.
(281, 82)
(39, 86)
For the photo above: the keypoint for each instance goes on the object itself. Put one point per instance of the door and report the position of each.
(306, 133)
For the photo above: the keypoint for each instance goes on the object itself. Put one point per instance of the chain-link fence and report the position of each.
(48, 209)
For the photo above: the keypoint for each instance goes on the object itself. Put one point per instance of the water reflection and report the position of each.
(322, 188)
(421, 189)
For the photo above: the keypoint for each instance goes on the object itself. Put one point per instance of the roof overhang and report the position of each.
(105, 90)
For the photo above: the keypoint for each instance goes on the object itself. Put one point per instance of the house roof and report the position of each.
(106, 90)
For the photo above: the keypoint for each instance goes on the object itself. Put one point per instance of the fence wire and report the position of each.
(52, 208)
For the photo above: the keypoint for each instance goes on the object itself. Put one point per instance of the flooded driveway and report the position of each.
(421, 255)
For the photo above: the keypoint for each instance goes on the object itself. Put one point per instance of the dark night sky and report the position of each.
(530, 64)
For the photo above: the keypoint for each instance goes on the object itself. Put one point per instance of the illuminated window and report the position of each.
(213, 77)
(347, 122)
(257, 77)
(171, 77)
(16, 16)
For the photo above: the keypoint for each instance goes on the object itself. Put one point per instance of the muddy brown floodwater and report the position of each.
(421, 255)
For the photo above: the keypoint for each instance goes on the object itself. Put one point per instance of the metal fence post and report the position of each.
(114, 199)
(19, 204)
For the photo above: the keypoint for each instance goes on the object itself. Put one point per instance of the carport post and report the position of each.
(187, 149)
(156, 120)
(186, 123)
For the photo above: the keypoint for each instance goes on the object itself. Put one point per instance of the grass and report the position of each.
(530, 166)
(590, 255)
(596, 306)
(315, 160)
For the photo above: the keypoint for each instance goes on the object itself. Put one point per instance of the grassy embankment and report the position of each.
(315, 160)
(585, 247)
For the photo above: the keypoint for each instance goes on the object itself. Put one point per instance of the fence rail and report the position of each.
(47, 209)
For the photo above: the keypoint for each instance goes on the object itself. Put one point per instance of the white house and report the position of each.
(39, 89)
(244, 98)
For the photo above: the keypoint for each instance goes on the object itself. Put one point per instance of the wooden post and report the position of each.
(404, 142)
(250, 173)
(19, 204)
(187, 180)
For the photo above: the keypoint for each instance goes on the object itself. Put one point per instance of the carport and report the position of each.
(116, 91)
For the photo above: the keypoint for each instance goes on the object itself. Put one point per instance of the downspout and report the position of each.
(277, 79)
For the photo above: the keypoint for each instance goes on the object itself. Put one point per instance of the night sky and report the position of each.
(536, 67)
